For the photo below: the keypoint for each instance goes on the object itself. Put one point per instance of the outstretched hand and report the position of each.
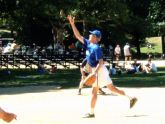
(71, 19)
(77, 34)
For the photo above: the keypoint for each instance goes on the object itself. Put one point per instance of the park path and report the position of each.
(52, 105)
(158, 63)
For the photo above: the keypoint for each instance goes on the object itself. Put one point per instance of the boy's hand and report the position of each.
(83, 77)
(71, 19)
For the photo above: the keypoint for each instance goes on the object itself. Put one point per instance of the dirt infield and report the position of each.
(51, 105)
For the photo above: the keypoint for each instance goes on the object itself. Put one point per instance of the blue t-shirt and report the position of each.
(94, 53)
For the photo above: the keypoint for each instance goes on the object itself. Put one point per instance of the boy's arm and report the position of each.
(75, 30)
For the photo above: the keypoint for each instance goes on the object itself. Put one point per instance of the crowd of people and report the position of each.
(41, 69)
(130, 66)
(9, 48)
(33, 49)
(133, 67)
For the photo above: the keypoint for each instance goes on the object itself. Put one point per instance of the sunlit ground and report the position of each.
(50, 105)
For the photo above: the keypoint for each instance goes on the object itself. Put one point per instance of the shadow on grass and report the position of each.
(70, 78)
(28, 81)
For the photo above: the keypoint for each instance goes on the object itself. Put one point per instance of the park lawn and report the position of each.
(156, 48)
(140, 80)
(25, 77)
(70, 78)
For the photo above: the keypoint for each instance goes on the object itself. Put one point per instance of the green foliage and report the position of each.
(156, 11)
(123, 21)
(156, 17)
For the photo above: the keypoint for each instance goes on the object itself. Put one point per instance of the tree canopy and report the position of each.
(120, 20)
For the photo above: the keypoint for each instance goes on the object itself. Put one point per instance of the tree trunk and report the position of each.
(138, 50)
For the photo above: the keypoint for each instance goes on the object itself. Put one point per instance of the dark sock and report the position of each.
(79, 91)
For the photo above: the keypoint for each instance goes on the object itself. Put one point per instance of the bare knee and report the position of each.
(115, 90)
(94, 91)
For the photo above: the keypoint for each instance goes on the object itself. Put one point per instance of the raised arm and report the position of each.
(74, 28)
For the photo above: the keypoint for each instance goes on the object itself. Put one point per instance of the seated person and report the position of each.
(136, 65)
(149, 67)
(112, 69)
(41, 69)
(52, 69)
(13, 46)
(130, 69)
(7, 49)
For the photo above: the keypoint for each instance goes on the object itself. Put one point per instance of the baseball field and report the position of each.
(53, 105)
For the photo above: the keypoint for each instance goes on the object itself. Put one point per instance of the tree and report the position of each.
(33, 20)
(108, 16)
(137, 25)
(157, 18)
(119, 20)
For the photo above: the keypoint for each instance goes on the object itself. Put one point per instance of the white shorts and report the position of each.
(103, 78)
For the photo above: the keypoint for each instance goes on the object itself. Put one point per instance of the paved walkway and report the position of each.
(158, 63)
(51, 105)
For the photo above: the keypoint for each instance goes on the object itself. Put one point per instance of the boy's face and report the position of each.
(94, 38)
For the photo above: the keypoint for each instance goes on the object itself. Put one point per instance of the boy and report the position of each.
(96, 64)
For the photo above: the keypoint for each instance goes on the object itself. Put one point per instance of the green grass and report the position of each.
(70, 78)
(23, 77)
(140, 80)
(156, 46)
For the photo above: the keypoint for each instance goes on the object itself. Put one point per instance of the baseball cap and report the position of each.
(96, 32)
